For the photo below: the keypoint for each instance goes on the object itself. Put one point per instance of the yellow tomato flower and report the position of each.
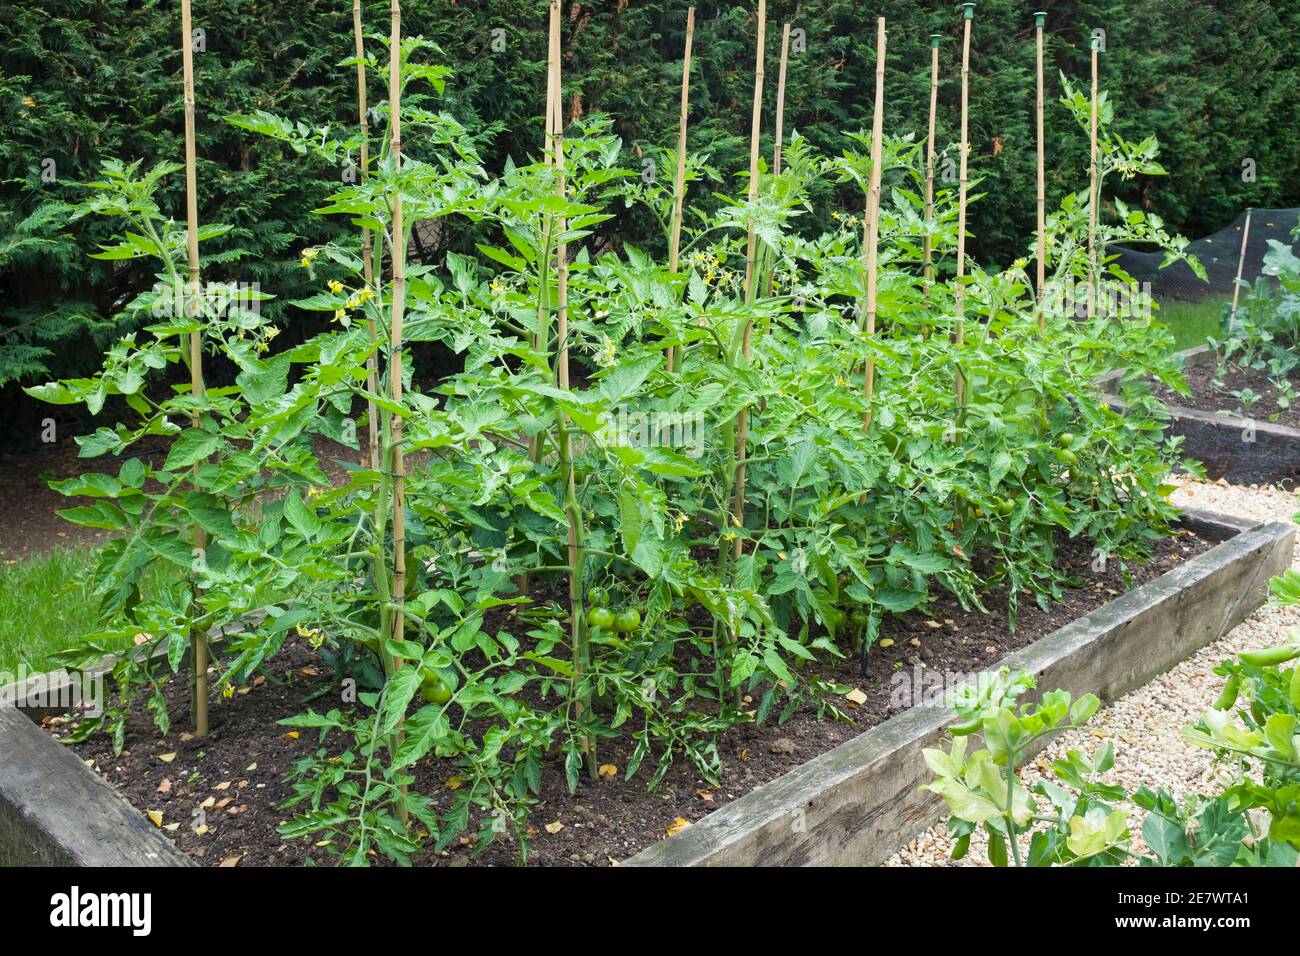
(335, 286)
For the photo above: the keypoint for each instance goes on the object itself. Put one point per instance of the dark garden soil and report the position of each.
(1210, 394)
(234, 777)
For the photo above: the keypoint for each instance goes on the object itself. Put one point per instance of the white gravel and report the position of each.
(1145, 725)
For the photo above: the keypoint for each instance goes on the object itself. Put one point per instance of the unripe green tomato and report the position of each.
(597, 597)
(625, 622)
(859, 618)
(1065, 439)
(1006, 506)
(600, 619)
(435, 690)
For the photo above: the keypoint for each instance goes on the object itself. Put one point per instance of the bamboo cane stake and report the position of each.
(959, 294)
(1093, 197)
(780, 99)
(679, 179)
(1241, 263)
(927, 265)
(1040, 19)
(197, 387)
(576, 548)
(742, 426)
(367, 266)
(872, 224)
(398, 242)
(541, 338)
(780, 124)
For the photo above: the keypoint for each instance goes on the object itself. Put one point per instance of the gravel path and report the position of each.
(1145, 725)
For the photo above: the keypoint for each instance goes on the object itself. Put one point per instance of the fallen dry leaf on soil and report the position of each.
(167, 758)
(231, 860)
(155, 817)
(607, 770)
(856, 697)
(555, 827)
(677, 826)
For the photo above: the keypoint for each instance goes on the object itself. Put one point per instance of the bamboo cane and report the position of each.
(541, 339)
(1241, 263)
(780, 99)
(398, 242)
(872, 224)
(1093, 197)
(959, 292)
(679, 179)
(742, 425)
(367, 266)
(780, 125)
(576, 548)
(1039, 20)
(197, 387)
(927, 265)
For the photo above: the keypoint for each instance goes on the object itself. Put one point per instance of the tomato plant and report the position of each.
(561, 542)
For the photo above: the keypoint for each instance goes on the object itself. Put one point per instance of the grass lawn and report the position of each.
(1191, 322)
(44, 607)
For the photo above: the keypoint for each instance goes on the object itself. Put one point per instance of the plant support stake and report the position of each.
(679, 179)
(959, 291)
(1241, 263)
(872, 224)
(1039, 20)
(367, 266)
(576, 550)
(742, 425)
(398, 241)
(927, 253)
(1093, 193)
(780, 127)
(197, 388)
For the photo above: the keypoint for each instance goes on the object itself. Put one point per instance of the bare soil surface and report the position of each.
(1219, 387)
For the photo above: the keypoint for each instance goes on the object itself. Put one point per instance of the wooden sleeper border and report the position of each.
(855, 804)
(859, 803)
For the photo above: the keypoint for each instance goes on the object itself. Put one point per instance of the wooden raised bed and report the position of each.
(852, 805)
(859, 803)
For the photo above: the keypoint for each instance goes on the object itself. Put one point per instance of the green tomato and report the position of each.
(859, 618)
(625, 622)
(597, 597)
(1065, 439)
(600, 619)
(1066, 457)
(1006, 506)
(435, 690)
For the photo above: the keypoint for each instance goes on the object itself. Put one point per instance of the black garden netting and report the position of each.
(1218, 253)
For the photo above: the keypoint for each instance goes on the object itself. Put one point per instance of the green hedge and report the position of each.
(82, 81)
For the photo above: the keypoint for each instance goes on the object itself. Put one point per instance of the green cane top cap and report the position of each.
(1040, 18)
(935, 38)
(968, 11)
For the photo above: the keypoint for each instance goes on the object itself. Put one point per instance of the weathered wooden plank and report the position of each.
(55, 811)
